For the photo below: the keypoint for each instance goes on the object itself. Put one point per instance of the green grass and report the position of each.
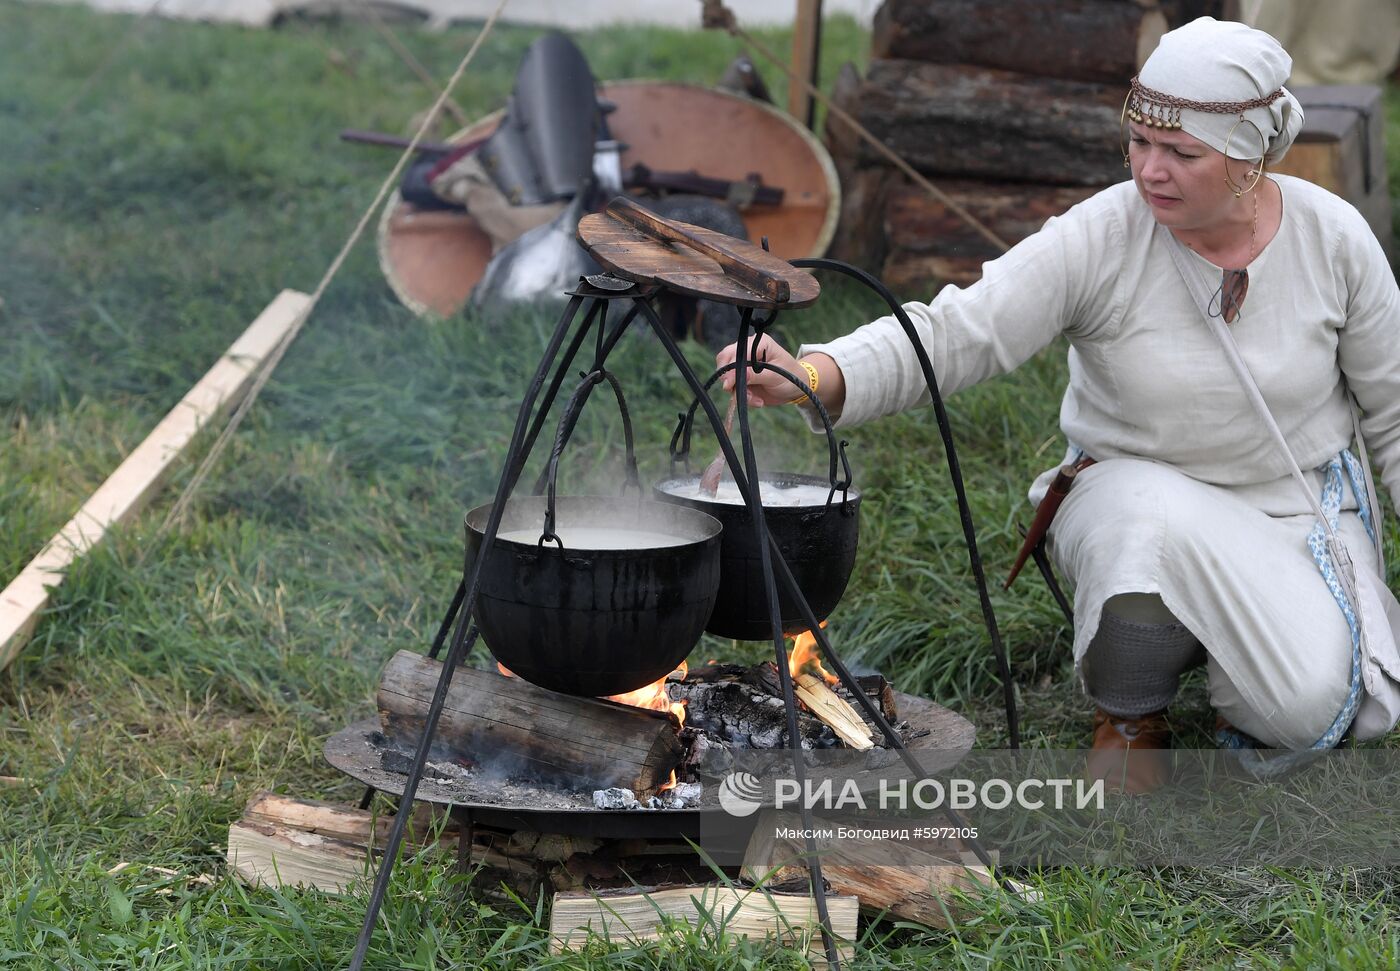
(174, 676)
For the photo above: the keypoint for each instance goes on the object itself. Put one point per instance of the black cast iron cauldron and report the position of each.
(595, 621)
(818, 537)
(817, 541)
(594, 615)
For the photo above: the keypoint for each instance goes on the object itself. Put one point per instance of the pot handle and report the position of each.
(566, 429)
(680, 438)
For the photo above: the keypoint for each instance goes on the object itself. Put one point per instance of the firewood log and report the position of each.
(859, 237)
(1078, 40)
(834, 711)
(948, 119)
(288, 842)
(919, 889)
(514, 727)
(931, 246)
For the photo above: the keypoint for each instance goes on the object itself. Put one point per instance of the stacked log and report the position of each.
(1012, 107)
(283, 841)
(1078, 40)
(927, 241)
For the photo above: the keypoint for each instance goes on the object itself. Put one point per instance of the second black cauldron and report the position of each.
(815, 527)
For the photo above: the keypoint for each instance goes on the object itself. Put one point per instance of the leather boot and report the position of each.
(1130, 754)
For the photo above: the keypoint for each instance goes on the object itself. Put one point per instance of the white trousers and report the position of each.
(1233, 565)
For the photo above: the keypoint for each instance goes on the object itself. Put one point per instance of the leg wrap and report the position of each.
(1132, 667)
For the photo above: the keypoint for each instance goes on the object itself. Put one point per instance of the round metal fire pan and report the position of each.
(946, 737)
(351, 751)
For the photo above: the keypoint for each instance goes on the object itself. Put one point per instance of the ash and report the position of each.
(685, 795)
(449, 778)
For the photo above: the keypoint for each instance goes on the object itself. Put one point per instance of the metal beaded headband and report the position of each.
(1157, 109)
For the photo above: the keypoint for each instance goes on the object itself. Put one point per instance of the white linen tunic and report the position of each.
(1191, 499)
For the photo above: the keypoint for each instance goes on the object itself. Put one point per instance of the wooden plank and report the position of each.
(770, 285)
(136, 479)
(634, 255)
(806, 50)
(790, 918)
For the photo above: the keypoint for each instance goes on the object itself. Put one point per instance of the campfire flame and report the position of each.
(804, 654)
(655, 697)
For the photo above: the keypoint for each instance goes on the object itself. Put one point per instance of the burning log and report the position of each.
(509, 725)
(881, 692)
(743, 705)
(812, 689)
(740, 715)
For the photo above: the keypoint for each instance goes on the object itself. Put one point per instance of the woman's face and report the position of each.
(1182, 179)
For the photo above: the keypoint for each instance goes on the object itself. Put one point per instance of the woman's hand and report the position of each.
(767, 387)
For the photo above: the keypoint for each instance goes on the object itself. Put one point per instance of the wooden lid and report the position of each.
(638, 245)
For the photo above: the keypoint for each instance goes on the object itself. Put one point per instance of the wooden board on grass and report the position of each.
(790, 918)
(128, 489)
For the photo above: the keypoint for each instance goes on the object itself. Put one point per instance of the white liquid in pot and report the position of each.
(599, 538)
(802, 494)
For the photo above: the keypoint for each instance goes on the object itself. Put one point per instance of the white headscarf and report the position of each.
(1209, 60)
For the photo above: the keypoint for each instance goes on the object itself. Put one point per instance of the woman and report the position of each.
(1187, 535)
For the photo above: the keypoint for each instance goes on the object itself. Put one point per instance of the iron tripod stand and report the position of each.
(530, 421)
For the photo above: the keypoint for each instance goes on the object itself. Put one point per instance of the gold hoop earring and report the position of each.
(1258, 172)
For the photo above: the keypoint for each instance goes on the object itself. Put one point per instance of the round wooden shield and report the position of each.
(432, 260)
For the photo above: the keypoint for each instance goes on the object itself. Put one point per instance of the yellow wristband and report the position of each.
(812, 380)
